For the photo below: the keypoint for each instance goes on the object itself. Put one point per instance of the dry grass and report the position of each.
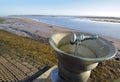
(106, 71)
(25, 47)
(43, 54)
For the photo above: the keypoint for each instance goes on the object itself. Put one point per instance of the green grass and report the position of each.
(25, 47)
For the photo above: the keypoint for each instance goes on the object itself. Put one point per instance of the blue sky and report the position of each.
(60, 7)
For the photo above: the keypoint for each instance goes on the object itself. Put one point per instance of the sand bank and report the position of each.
(42, 29)
(46, 30)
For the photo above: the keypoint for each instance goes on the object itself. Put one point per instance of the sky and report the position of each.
(60, 7)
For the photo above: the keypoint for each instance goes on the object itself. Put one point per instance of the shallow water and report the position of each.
(14, 30)
(81, 51)
(84, 25)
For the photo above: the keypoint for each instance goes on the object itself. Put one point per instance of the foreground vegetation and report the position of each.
(26, 48)
(106, 71)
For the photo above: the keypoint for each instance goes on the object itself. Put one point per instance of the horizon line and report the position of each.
(62, 15)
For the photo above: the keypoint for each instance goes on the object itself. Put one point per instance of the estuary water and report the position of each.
(84, 25)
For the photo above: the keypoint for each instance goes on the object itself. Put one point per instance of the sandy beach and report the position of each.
(45, 30)
(32, 29)
(41, 29)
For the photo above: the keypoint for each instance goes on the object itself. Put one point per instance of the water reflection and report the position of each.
(84, 25)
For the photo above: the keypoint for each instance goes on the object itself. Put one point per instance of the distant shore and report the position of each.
(105, 19)
(92, 18)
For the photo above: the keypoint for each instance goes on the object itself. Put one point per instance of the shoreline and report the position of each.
(106, 70)
(96, 27)
(55, 27)
(40, 29)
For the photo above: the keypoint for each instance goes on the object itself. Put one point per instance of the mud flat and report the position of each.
(106, 71)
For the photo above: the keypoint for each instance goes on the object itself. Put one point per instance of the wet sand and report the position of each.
(42, 29)
(45, 30)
